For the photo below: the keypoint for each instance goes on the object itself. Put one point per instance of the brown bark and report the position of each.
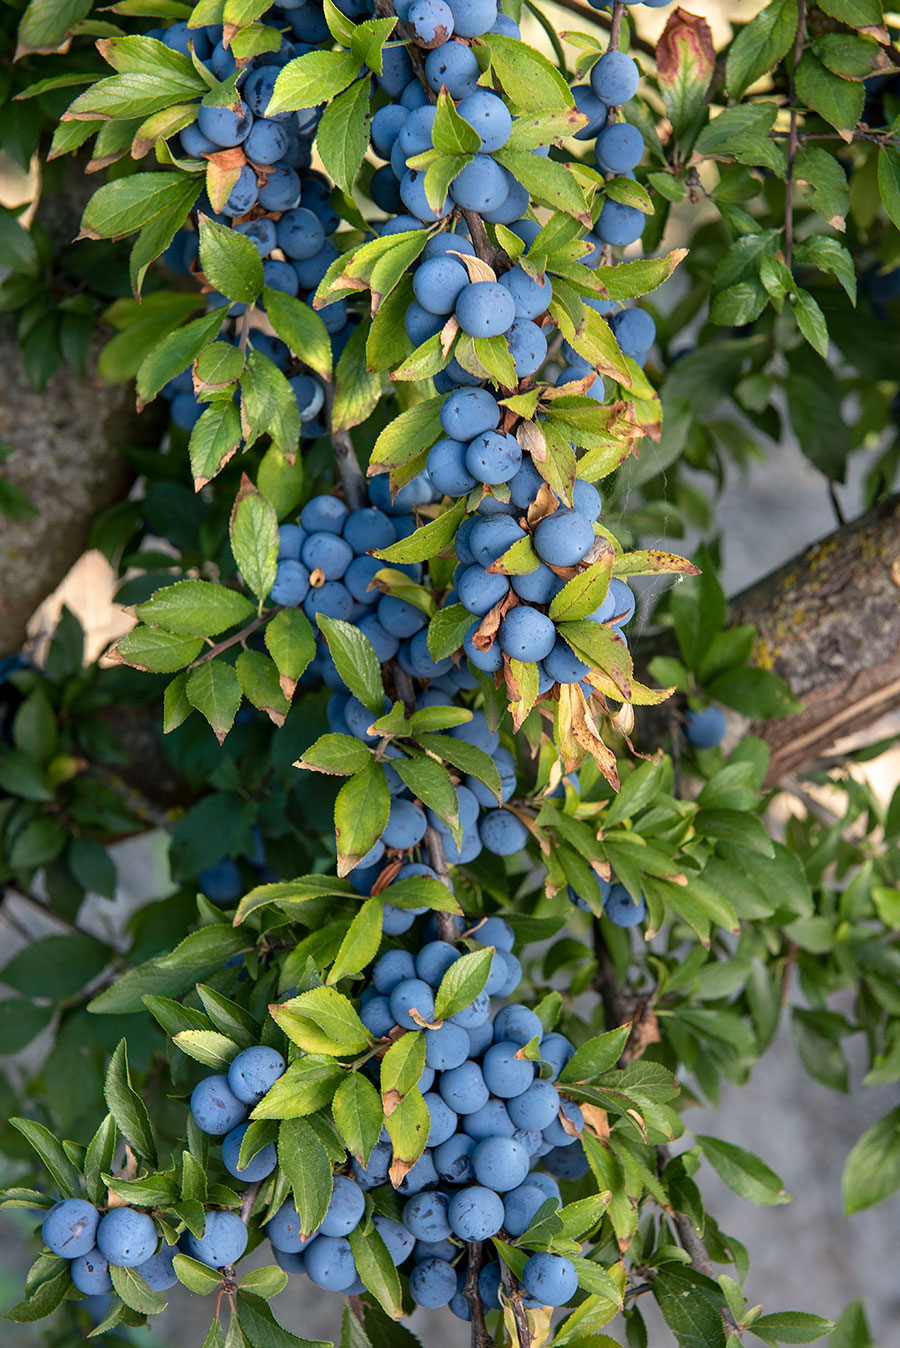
(829, 623)
(67, 447)
(68, 458)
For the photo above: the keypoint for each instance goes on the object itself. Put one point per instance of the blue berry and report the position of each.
(126, 1237)
(485, 308)
(615, 78)
(70, 1228)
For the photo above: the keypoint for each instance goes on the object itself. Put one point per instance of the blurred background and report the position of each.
(804, 1254)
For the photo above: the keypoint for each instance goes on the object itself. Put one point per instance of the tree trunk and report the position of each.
(829, 623)
(67, 447)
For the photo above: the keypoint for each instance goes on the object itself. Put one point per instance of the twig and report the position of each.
(237, 637)
(497, 258)
(615, 25)
(607, 982)
(835, 504)
(514, 1292)
(248, 1199)
(352, 476)
(601, 20)
(47, 912)
(480, 1336)
(792, 138)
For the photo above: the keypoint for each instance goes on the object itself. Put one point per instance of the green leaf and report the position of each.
(214, 690)
(267, 1282)
(305, 1165)
(543, 128)
(584, 593)
(75, 961)
(531, 81)
(451, 133)
(810, 321)
(358, 1115)
(547, 182)
(308, 1085)
(215, 439)
(356, 661)
(360, 814)
(208, 1047)
(174, 353)
(760, 45)
(254, 540)
(742, 132)
(218, 365)
(17, 248)
(342, 136)
(595, 1057)
(447, 629)
(839, 101)
(52, 1154)
(826, 253)
(15, 503)
(127, 1107)
(828, 191)
(431, 783)
(428, 540)
(462, 983)
(156, 651)
(268, 405)
(856, 13)
(467, 757)
(791, 1327)
(407, 1126)
(176, 708)
(196, 1277)
(406, 436)
(889, 182)
(316, 77)
(228, 1017)
(602, 648)
(133, 1290)
(195, 608)
(290, 642)
(872, 1170)
(360, 945)
(754, 692)
(322, 1021)
(259, 680)
(126, 205)
(300, 328)
(743, 1172)
(401, 1068)
(356, 388)
(45, 23)
(692, 1318)
(377, 1269)
(341, 755)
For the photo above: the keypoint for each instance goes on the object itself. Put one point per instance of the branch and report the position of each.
(605, 22)
(792, 141)
(234, 639)
(829, 623)
(520, 1315)
(352, 476)
(607, 981)
(480, 1336)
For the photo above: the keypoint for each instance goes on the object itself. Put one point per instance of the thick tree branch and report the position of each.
(829, 623)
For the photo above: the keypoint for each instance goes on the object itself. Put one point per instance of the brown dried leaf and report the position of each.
(532, 440)
(595, 1119)
(448, 332)
(478, 270)
(543, 505)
